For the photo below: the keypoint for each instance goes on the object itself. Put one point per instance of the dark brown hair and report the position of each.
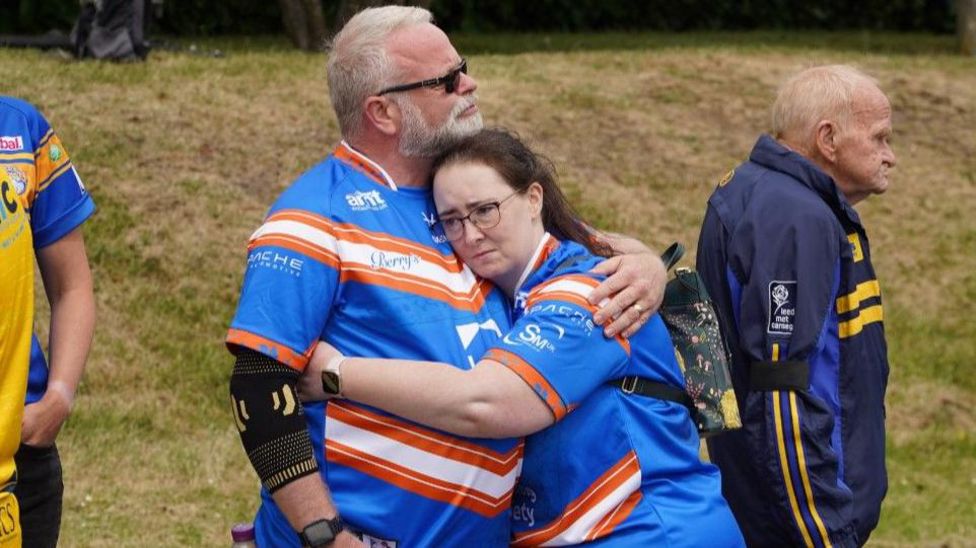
(503, 151)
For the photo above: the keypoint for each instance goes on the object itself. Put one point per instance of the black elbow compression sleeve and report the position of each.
(270, 419)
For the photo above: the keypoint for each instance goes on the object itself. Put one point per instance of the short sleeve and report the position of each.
(58, 200)
(557, 349)
(289, 287)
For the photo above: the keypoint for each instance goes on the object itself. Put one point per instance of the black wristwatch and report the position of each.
(321, 533)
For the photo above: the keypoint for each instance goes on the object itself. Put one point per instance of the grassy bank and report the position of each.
(184, 153)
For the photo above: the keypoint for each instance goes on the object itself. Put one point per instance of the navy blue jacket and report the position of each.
(787, 262)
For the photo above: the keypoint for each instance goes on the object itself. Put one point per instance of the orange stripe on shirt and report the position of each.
(303, 217)
(616, 517)
(564, 296)
(45, 165)
(550, 246)
(379, 240)
(297, 244)
(532, 377)
(416, 482)
(472, 301)
(597, 492)
(267, 346)
(572, 298)
(430, 441)
(53, 177)
(578, 278)
(353, 159)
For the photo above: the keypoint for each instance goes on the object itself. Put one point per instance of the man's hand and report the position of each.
(345, 539)
(635, 287)
(43, 419)
(310, 383)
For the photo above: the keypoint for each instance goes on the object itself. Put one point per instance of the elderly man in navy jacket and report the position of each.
(785, 256)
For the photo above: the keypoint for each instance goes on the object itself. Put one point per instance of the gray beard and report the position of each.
(420, 140)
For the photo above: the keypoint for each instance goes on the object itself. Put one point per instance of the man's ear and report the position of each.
(826, 140)
(383, 114)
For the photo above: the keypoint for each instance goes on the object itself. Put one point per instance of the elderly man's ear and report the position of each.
(826, 140)
(383, 114)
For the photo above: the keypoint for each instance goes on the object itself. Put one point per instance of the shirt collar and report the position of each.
(547, 244)
(345, 152)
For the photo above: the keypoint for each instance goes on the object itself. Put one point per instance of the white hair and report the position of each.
(816, 94)
(359, 65)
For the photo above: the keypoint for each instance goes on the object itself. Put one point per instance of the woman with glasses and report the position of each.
(602, 465)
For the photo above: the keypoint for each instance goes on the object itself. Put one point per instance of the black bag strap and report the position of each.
(672, 255)
(786, 375)
(652, 389)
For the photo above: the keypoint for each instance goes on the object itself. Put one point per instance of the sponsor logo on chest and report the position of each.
(366, 201)
(11, 143)
(18, 178)
(392, 261)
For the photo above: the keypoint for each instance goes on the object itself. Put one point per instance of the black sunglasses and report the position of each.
(450, 81)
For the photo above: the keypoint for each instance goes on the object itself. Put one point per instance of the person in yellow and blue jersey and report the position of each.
(16, 317)
(786, 258)
(40, 172)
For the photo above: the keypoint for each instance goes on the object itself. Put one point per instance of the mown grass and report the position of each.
(184, 153)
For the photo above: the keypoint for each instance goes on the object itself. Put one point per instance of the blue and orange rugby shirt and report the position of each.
(615, 469)
(347, 257)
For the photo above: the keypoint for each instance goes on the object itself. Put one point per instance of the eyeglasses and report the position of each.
(450, 81)
(484, 216)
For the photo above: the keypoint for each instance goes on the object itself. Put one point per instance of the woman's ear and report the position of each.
(383, 114)
(535, 194)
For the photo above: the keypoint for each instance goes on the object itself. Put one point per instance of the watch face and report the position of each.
(321, 532)
(330, 382)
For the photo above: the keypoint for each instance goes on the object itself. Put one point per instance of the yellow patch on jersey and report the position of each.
(856, 246)
(728, 177)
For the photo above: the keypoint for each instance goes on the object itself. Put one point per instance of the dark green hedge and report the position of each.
(677, 15)
(208, 17)
(180, 17)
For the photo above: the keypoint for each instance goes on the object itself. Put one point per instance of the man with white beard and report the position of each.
(346, 256)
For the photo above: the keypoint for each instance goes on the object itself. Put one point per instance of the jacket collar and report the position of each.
(771, 154)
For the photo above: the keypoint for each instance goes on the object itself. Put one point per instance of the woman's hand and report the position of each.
(310, 383)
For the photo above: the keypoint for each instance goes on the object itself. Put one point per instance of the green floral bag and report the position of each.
(701, 351)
